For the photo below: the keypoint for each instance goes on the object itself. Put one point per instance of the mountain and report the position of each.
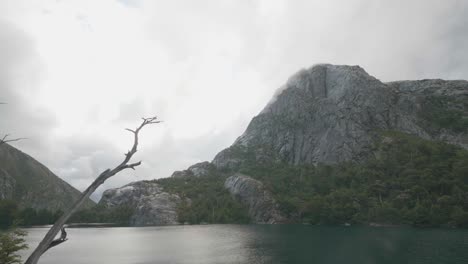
(336, 145)
(330, 114)
(29, 183)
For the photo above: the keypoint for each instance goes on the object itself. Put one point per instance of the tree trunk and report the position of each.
(45, 244)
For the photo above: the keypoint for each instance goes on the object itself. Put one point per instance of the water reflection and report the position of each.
(173, 244)
(256, 244)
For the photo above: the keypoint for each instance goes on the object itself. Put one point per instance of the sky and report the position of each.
(74, 74)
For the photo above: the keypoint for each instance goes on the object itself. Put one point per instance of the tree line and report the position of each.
(405, 181)
(11, 214)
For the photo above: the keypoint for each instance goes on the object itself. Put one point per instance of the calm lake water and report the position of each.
(209, 244)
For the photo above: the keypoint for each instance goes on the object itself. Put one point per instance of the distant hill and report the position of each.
(31, 184)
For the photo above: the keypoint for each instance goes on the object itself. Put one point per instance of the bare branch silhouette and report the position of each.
(48, 241)
(6, 140)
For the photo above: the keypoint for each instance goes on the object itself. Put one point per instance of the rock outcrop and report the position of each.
(418, 102)
(330, 114)
(196, 170)
(263, 209)
(152, 205)
(31, 184)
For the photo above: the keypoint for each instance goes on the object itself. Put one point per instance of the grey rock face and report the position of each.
(7, 185)
(152, 205)
(31, 184)
(330, 114)
(412, 95)
(229, 158)
(196, 170)
(262, 207)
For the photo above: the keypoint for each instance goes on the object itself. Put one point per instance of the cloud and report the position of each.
(75, 73)
(19, 75)
(130, 3)
(391, 39)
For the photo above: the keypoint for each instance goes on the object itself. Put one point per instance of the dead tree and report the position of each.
(60, 240)
(48, 240)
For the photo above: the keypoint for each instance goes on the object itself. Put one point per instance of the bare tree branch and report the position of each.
(48, 240)
(60, 240)
(6, 140)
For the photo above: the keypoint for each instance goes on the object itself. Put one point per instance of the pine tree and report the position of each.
(10, 243)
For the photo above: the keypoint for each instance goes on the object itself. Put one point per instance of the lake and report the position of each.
(209, 244)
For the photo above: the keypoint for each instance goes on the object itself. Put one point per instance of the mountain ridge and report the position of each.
(31, 184)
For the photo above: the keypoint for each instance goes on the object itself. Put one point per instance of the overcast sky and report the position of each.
(75, 73)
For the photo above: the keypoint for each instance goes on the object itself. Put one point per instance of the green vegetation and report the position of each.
(205, 200)
(445, 112)
(11, 242)
(10, 214)
(119, 215)
(408, 181)
(11, 238)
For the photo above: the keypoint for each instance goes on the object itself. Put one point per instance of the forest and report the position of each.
(405, 181)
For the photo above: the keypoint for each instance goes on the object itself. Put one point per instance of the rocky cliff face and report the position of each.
(31, 184)
(330, 114)
(263, 209)
(152, 205)
(433, 109)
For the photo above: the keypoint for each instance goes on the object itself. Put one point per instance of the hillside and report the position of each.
(336, 145)
(31, 184)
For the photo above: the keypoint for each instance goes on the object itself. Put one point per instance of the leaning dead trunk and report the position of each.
(46, 242)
